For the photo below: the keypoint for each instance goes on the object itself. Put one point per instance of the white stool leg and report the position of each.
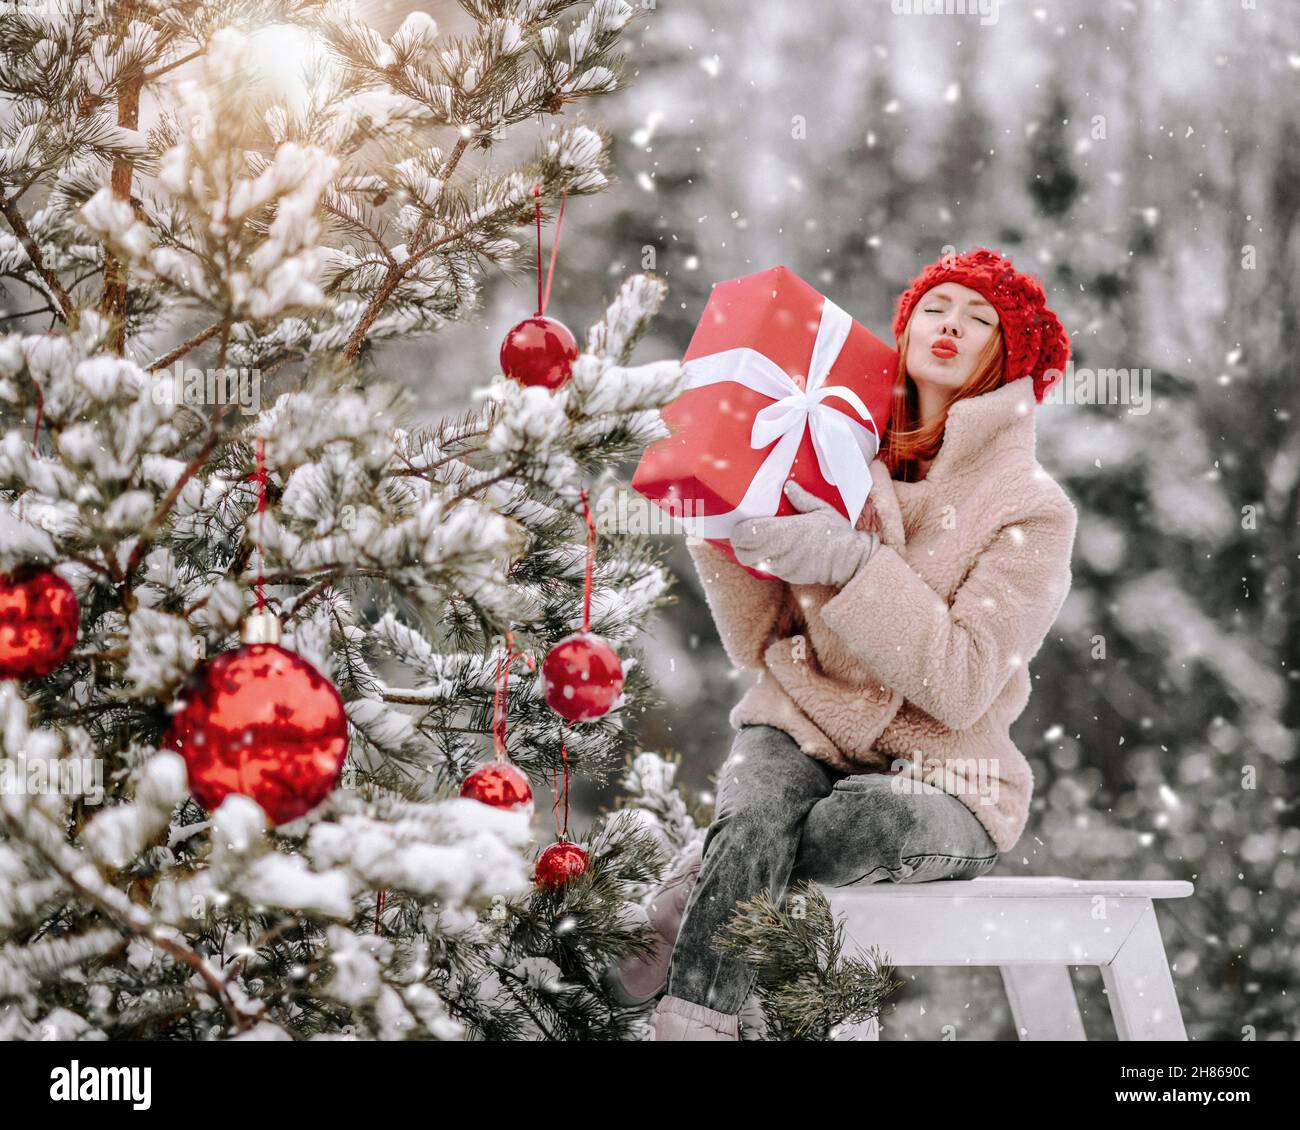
(1042, 1001)
(1141, 989)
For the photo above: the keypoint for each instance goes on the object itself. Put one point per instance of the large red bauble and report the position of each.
(39, 618)
(581, 677)
(499, 784)
(263, 722)
(559, 863)
(539, 351)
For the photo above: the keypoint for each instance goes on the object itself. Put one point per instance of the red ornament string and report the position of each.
(542, 300)
(502, 691)
(259, 477)
(561, 831)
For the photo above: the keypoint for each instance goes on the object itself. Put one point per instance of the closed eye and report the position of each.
(937, 310)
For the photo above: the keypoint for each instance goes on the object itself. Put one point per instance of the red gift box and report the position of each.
(783, 384)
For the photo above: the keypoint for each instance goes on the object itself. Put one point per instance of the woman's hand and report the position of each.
(814, 547)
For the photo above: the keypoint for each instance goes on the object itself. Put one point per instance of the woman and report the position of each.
(893, 654)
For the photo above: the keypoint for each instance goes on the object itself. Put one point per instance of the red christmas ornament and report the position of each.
(501, 785)
(539, 351)
(563, 860)
(263, 722)
(581, 677)
(39, 618)
(559, 863)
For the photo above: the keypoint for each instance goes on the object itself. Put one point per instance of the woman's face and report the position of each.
(948, 330)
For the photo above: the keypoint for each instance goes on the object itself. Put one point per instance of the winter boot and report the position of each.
(635, 979)
(678, 1019)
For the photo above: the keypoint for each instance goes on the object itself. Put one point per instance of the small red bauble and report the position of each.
(539, 351)
(581, 677)
(559, 863)
(499, 784)
(263, 722)
(39, 618)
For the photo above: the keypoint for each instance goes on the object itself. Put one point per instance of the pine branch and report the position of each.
(69, 867)
(444, 175)
(804, 986)
(169, 359)
(67, 308)
(392, 279)
(20, 315)
(165, 68)
(192, 468)
(361, 226)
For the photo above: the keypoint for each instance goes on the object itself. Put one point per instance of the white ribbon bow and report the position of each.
(844, 447)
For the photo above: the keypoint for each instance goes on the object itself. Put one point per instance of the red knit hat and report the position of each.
(1035, 341)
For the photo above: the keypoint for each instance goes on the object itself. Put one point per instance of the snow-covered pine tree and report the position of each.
(164, 210)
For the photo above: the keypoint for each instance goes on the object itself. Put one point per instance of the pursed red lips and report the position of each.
(944, 347)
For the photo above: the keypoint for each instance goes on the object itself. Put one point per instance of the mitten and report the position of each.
(817, 546)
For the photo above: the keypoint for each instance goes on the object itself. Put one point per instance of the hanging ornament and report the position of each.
(582, 675)
(263, 722)
(498, 783)
(559, 863)
(541, 350)
(563, 860)
(260, 720)
(39, 614)
(39, 617)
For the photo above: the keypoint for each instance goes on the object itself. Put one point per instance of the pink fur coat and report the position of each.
(920, 663)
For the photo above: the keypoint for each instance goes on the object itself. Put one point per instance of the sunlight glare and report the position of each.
(284, 57)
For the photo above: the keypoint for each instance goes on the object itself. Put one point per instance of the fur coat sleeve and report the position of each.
(748, 611)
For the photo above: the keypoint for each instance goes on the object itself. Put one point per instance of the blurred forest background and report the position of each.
(1144, 160)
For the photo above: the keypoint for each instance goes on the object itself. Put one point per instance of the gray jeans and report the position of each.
(783, 817)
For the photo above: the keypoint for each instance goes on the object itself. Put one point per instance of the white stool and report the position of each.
(1033, 929)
